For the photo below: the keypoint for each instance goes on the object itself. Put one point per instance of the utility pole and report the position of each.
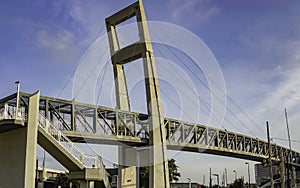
(37, 173)
(44, 161)
(18, 99)
(226, 177)
(270, 157)
(223, 179)
(248, 174)
(282, 170)
(289, 182)
(210, 183)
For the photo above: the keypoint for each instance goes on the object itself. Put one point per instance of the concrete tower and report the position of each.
(157, 152)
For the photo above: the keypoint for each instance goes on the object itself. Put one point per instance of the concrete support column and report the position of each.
(294, 177)
(127, 167)
(86, 184)
(282, 170)
(18, 151)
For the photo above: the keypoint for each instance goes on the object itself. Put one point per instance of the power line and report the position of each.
(74, 71)
(162, 90)
(90, 74)
(284, 139)
(101, 84)
(205, 104)
(202, 101)
(207, 86)
(179, 107)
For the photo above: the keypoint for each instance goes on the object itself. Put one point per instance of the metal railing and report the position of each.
(8, 111)
(86, 160)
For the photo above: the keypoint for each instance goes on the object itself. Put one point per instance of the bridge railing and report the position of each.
(86, 160)
(182, 134)
(9, 111)
(131, 124)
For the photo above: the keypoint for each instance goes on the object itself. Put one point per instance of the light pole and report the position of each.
(210, 184)
(190, 183)
(226, 177)
(289, 182)
(217, 179)
(248, 174)
(235, 172)
(18, 98)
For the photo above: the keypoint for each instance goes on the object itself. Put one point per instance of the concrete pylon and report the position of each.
(282, 170)
(17, 166)
(294, 176)
(157, 158)
(126, 172)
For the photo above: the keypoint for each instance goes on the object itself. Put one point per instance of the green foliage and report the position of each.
(63, 180)
(174, 174)
(144, 177)
(239, 183)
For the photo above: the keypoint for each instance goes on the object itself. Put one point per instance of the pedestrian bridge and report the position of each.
(87, 123)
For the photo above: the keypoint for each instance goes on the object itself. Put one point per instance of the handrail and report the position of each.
(8, 111)
(86, 160)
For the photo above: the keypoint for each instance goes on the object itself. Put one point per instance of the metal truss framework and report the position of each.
(102, 125)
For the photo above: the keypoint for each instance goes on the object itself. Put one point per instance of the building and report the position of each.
(262, 173)
(50, 178)
(262, 176)
(113, 177)
(186, 185)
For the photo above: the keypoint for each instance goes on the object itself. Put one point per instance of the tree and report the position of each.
(63, 180)
(174, 174)
(239, 183)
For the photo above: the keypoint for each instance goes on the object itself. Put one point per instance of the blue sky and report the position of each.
(256, 43)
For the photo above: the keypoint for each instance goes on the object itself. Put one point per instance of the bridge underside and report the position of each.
(139, 142)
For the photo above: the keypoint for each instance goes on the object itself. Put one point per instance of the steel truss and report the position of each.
(98, 124)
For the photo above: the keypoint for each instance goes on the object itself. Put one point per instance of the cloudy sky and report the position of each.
(256, 44)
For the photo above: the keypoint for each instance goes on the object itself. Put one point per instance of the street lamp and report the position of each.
(217, 179)
(18, 98)
(190, 183)
(248, 174)
(235, 172)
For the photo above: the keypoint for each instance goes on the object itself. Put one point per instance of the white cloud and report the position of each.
(285, 94)
(263, 78)
(87, 18)
(59, 40)
(197, 11)
(268, 84)
(57, 46)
